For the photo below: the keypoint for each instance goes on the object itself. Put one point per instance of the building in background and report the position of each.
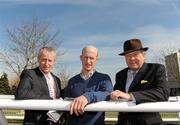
(173, 72)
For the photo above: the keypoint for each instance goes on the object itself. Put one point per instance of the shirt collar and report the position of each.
(87, 77)
(131, 72)
(45, 75)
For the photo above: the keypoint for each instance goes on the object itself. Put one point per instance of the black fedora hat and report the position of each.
(132, 45)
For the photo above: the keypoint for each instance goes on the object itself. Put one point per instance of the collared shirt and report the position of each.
(130, 77)
(86, 77)
(50, 84)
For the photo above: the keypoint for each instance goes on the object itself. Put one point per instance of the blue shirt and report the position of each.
(96, 88)
(130, 77)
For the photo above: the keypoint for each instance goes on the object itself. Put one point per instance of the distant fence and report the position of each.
(173, 105)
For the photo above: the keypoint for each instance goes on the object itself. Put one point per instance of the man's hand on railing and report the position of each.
(117, 94)
(78, 105)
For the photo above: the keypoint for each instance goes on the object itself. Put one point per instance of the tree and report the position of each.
(24, 44)
(64, 76)
(165, 52)
(4, 85)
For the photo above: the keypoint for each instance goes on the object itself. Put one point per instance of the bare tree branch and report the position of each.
(25, 42)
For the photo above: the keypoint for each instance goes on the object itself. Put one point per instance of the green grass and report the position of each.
(13, 112)
(111, 115)
(9, 112)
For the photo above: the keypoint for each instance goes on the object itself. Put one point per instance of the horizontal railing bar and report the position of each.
(8, 102)
(171, 99)
(117, 106)
(15, 117)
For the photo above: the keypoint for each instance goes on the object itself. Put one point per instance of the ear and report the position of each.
(144, 53)
(80, 57)
(97, 58)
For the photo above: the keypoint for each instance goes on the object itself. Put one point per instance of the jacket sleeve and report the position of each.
(27, 88)
(158, 91)
(105, 87)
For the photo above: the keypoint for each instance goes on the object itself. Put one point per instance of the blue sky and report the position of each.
(103, 23)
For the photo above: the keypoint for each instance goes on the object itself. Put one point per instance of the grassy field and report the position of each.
(20, 113)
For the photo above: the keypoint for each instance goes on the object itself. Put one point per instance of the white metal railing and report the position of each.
(173, 105)
(118, 106)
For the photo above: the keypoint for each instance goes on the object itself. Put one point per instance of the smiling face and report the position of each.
(89, 58)
(46, 60)
(135, 59)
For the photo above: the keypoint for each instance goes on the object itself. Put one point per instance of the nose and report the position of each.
(46, 62)
(132, 58)
(88, 60)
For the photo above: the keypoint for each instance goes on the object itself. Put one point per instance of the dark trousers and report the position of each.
(134, 122)
(141, 118)
(45, 123)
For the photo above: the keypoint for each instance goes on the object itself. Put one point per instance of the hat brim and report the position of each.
(126, 52)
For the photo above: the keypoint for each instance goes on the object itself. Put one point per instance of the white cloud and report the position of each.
(155, 37)
(99, 40)
(159, 39)
(110, 43)
(158, 36)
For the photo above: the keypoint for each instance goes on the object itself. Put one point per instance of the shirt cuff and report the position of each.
(133, 99)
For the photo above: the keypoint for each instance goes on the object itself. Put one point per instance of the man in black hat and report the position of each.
(140, 82)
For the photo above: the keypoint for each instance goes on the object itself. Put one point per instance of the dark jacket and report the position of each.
(149, 85)
(33, 85)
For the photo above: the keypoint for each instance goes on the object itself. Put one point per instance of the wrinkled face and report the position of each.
(135, 59)
(89, 59)
(46, 61)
